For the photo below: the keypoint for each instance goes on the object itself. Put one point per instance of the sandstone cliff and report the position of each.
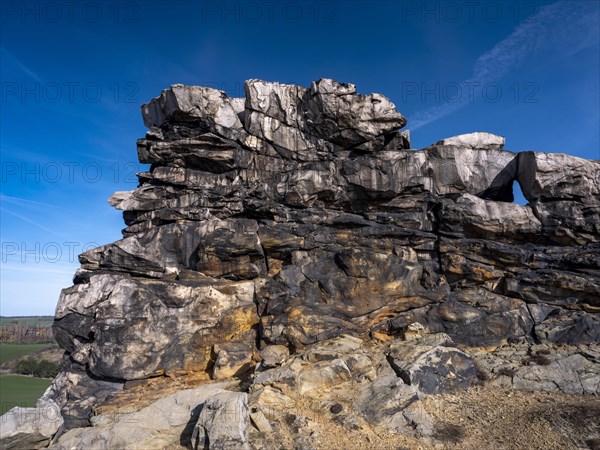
(292, 245)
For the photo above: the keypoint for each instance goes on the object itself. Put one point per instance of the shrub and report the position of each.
(26, 367)
(40, 369)
(46, 369)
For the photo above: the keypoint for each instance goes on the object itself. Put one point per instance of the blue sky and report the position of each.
(73, 76)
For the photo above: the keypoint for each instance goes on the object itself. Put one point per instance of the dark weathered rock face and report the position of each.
(296, 215)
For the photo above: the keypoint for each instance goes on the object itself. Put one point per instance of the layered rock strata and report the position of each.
(295, 217)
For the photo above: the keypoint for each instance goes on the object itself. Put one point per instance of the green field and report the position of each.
(17, 390)
(9, 352)
(42, 321)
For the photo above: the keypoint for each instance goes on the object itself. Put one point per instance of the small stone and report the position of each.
(274, 355)
(260, 421)
(336, 408)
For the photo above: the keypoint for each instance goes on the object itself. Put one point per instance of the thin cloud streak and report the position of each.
(33, 222)
(28, 203)
(565, 27)
(19, 65)
(34, 268)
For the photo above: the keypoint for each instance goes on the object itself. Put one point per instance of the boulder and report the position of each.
(431, 365)
(159, 425)
(477, 141)
(223, 423)
(30, 428)
(199, 107)
(390, 404)
(274, 355)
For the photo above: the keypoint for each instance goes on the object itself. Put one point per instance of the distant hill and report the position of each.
(47, 320)
(26, 329)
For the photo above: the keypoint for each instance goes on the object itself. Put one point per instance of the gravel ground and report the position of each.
(491, 418)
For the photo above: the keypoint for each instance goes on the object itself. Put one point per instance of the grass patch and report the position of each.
(8, 352)
(16, 390)
(41, 321)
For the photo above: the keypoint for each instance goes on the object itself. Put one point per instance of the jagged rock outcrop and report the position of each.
(294, 240)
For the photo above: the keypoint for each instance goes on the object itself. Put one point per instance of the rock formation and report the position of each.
(293, 242)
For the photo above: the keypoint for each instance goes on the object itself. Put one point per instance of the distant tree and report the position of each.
(46, 369)
(26, 367)
(40, 369)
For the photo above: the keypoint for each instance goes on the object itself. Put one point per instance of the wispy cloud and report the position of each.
(566, 27)
(23, 203)
(35, 268)
(19, 65)
(33, 222)
(27, 203)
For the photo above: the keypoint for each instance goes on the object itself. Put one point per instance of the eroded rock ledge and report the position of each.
(293, 240)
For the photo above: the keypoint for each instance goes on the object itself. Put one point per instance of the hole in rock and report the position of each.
(518, 194)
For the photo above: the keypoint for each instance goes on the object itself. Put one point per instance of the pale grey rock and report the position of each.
(297, 376)
(390, 404)
(477, 141)
(322, 371)
(207, 152)
(159, 425)
(276, 100)
(571, 370)
(552, 176)
(338, 347)
(30, 428)
(207, 108)
(441, 170)
(472, 216)
(338, 114)
(574, 374)
(488, 173)
(271, 399)
(564, 192)
(392, 141)
(274, 355)
(301, 120)
(561, 327)
(238, 104)
(431, 365)
(223, 423)
(259, 420)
